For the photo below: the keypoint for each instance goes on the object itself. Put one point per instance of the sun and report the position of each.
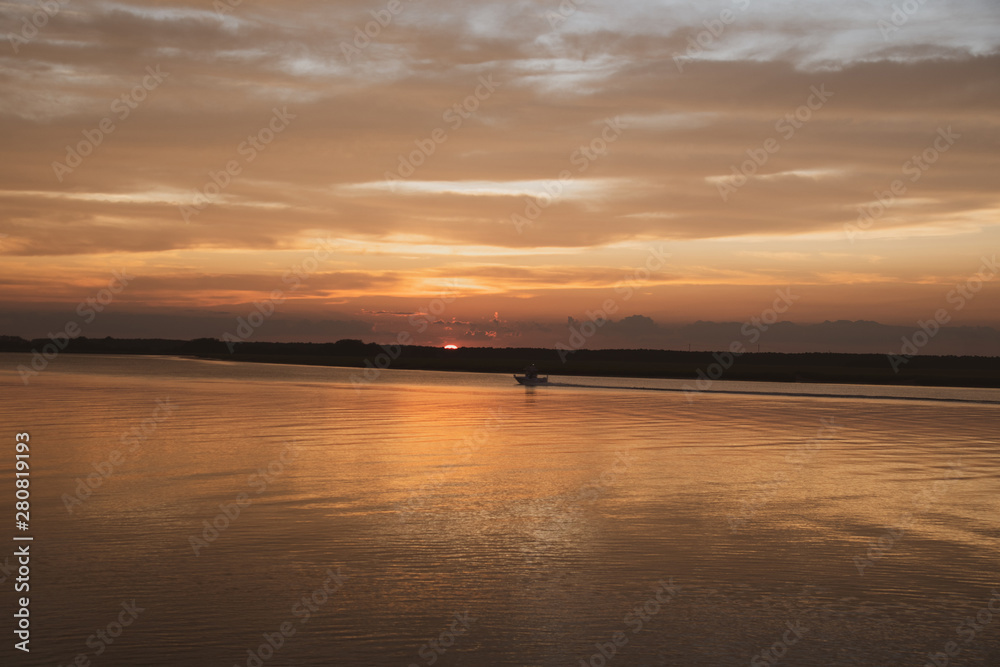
(451, 347)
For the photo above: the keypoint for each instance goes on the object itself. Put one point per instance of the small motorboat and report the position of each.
(530, 377)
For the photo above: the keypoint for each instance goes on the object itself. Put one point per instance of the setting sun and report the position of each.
(708, 265)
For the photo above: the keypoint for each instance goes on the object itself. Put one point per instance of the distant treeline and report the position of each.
(704, 366)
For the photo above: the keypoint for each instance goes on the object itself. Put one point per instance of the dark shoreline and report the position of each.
(825, 368)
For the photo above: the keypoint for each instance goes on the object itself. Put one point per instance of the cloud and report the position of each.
(686, 126)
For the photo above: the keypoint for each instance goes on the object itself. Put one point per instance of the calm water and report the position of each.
(508, 526)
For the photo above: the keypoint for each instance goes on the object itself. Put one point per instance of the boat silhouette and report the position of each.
(530, 377)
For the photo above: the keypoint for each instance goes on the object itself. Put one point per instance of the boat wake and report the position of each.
(790, 394)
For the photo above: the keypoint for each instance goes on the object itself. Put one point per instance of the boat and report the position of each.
(530, 377)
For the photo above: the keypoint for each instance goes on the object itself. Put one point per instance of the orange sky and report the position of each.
(523, 161)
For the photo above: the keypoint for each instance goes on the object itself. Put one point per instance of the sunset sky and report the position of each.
(369, 175)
